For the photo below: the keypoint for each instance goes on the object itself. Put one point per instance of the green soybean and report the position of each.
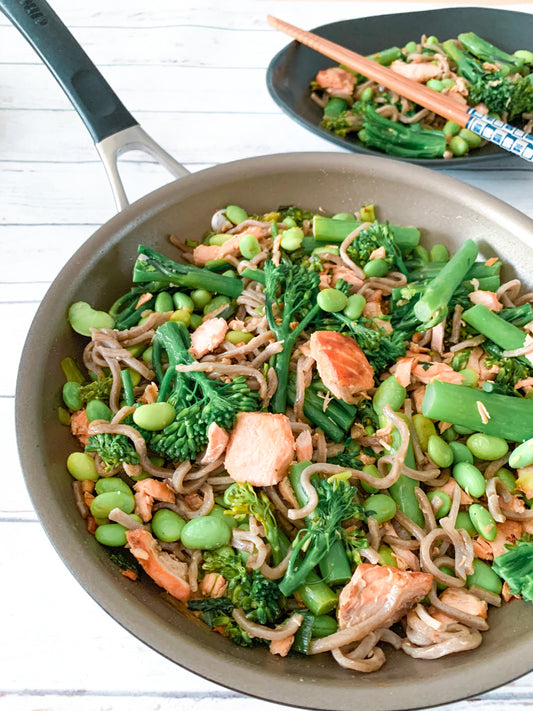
(424, 429)
(420, 252)
(461, 453)
(219, 239)
(147, 355)
(458, 146)
(469, 478)
(236, 214)
(111, 534)
(449, 434)
(346, 216)
(289, 221)
(507, 477)
(201, 297)
(487, 447)
(483, 522)
(167, 525)
(82, 317)
(447, 83)
(389, 392)
(72, 395)
(522, 456)
(440, 451)
(463, 520)
(155, 416)
(435, 84)
(387, 556)
(81, 466)
(249, 246)
(112, 483)
(181, 316)
(221, 513)
(524, 54)
(98, 410)
(205, 533)
(332, 300)
(376, 268)
(460, 429)
(442, 500)
(216, 303)
(410, 47)
(71, 370)
(237, 337)
(470, 377)
(432, 40)
(63, 416)
(292, 239)
(183, 301)
(366, 95)
(381, 507)
(325, 250)
(484, 577)
(451, 128)
(373, 471)
(196, 320)
(103, 504)
(473, 140)
(354, 307)
(439, 253)
(163, 302)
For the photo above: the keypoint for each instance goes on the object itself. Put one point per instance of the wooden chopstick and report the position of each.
(502, 134)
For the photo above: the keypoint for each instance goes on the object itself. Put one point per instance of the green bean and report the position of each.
(82, 317)
(461, 453)
(183, 301)
(354, 307)
(484, 577)
(458, 146)
(507, 477)
(440, 451)
(182, 316)
(163, 302)
(483, 522)
(112, 483)
(291, 239)
(235, 214)
(332, 300)
(81, 466)
(373, 471)
(463, 520)
(442, 501)
(201, 297)
(167, 525)
(237, 337)
(487, 447)
(205, 533)
(196, 320)
(71, 370)
(439, 253)
(103, 504)
(155, 416)
(72, 395)
(470, 377)
(111, 534)
(324, 625)
(469, 478)
(451, 128)
(389, 392)
(249, 246)
(424, 429)
(376, 268)
(522, 456)
(98, 410)
(381, 507)
(316, 595)
(387, 556)
(127, 386)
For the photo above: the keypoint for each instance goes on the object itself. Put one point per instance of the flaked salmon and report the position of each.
(217, 440)
(207, 337)
(146, 491)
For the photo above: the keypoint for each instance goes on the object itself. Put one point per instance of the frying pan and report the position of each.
(445, 210)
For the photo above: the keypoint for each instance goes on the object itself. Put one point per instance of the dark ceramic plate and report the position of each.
(292, 69)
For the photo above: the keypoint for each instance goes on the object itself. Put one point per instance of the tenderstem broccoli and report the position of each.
(198, 401)
(373, 237)
(114, 449)
(516, 568)
(504, 333)
(327, 229)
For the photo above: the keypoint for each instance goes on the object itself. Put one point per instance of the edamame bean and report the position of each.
(182, 316)
(525, 483)
(216, 303)
(435, 84)
(389, 392)
(373, 471)
(81, 466)
(439, 253)
(63, 416)
(325, 251)
(112, 483)
(291, 239)
(442, 505)
(460, 429)
(524, 54)
(458, 146)
(451, 128)
(196, 320)
(201, 297)
(487, 447)
(82, 317)
(111, 534)
(424, 429)
(410, 47)
(470, 377)
(249, 246)
(155, 416)
(236, 214)
(522, 456)
(237, 337)
(507, 478)
(463, 520)
(367, 213)
(147, 355)
(483, 522)
(289, 221)
(163, 302)
(376, 268)
(183, 301)
(206, 533)
(219, 239)
(167, 525)
(432, 40)
(420, 252)
(72, 395)
(221, 513)
(440, 451)
(343, 216)
(103, 504)
(447, 83)
(387, 556)
(473, 140)
(71, 370)
(484, 577)
(381, 507)
(461, 453)
(98, 410)
(367, 95)
(469, 478)
(354, 307)
(449, 435)
(332, 300)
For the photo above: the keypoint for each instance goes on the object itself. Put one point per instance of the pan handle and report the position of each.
(112, 127)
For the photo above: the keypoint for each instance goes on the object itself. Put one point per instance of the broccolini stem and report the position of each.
(326, 229)
(129, 397)
(504, 334)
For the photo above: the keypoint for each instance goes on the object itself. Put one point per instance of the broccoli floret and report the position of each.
(503, 95)
(516, 568)
(376, 236)
(296, 213)
(198, 401)
(216, 612)
(349, 457)
(98, 389)
(113, 449)
(125, 561)
(511, 371)
(341, 124)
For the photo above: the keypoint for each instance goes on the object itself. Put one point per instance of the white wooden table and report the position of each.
(193, 73)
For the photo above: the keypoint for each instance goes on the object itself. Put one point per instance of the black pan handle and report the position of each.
(97, 104)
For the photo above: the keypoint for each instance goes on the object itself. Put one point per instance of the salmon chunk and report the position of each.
(164, 570)
(375, 587)
(260, 449)
(463, 600)
(341, 364)
(487, 298)
(337, 80)
(217, 439)
(206, 252)
(419, 71)
(146, 491)
(79, 426)
(208, 336)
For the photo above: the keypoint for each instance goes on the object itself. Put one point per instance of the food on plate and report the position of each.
(468, 69)
(319, 440)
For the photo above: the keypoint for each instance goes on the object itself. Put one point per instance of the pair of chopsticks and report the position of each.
(498, 132)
